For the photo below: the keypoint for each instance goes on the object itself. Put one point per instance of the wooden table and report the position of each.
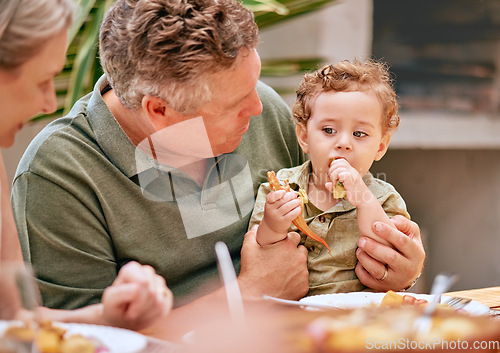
(487, 296)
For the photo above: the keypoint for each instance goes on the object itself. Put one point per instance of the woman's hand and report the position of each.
(403, 264)
(137, 298)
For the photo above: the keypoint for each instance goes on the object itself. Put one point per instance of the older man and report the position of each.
(163, 159)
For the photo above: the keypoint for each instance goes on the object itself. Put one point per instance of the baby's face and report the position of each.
(344, 125)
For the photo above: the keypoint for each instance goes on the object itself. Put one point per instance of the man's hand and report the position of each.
(279, 269)
(404, 263)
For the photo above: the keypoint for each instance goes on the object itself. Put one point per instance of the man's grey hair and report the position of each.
(172, 48)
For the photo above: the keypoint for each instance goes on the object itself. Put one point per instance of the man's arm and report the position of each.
(63, 234)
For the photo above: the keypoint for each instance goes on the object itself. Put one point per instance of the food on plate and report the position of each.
(392, 298)
(23, 333)
(391, 328)
(50, 338)
(77, 344)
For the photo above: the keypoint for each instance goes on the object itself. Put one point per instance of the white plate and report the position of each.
(360, 299)
(117, 340)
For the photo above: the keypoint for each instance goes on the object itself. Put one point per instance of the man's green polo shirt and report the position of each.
(86, 201)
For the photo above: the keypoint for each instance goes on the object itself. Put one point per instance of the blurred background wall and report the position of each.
(445, 157)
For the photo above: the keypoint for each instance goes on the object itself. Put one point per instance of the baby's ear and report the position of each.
(383, 146)
(301, 131)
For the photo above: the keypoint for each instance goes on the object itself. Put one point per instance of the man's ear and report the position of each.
(301, 131)
(156, 110)
(383, 146)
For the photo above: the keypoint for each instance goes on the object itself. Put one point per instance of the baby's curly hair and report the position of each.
(347, 76)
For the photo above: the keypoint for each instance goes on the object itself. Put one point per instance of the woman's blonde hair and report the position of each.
(26, 25)
(172, 48)
(347, 76)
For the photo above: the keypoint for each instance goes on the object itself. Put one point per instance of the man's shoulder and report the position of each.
(266, 92)
(55, 142)
(271, 100)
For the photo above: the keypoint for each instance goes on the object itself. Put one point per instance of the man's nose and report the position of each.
(255, 105)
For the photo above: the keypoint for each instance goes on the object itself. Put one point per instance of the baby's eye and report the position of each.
(328, 130)
(359, 134)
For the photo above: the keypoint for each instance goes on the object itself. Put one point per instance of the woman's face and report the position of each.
(29, 89)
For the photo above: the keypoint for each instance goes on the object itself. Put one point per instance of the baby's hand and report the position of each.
(281, 209)
(357, 192)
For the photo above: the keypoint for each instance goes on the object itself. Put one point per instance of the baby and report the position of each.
(345, 115)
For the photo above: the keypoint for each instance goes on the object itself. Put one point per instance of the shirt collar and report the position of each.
(110, 136)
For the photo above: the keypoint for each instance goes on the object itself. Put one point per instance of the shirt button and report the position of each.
(322, 218)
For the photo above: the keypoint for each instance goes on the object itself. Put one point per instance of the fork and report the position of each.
(442, 282)
(457, 302)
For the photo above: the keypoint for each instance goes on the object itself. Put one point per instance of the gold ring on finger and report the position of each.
(385, 275)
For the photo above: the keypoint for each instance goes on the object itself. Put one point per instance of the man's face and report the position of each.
(234, 102)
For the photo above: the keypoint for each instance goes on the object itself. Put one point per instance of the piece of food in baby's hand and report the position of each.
(338, 190)
(338, 187)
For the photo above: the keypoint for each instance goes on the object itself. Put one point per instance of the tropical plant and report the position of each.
(270, 12)
(82, 67)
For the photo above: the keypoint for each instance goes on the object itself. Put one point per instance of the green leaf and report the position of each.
(264, 6)
(83, 12)
(289, 67)
(85, 60)
(294, 7)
